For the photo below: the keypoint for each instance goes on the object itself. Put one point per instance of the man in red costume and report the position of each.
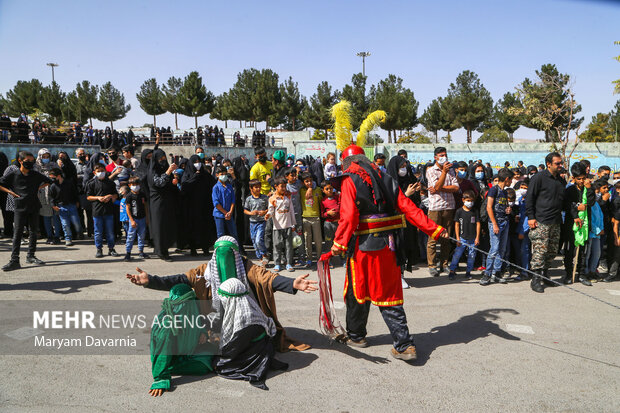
(372, 215)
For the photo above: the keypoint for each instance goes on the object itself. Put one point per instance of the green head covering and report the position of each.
(225, 258)
(279, 155)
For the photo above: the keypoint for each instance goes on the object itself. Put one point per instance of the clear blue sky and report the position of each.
(426, 43)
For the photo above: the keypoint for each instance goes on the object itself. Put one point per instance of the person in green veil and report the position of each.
(175, 351)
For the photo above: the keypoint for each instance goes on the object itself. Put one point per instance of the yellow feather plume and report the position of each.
(372, 120)
(341, 113)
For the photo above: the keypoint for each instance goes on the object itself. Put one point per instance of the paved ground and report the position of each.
(493, 348)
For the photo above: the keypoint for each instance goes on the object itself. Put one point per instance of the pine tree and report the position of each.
(398, 102)
(432, 118)
(111, 104)
(468, 103)
(317, 114)
(151, 99)
(53, 101)
(25, 97)
(82, 102)
(360, 102)
(194, 99)
(291, 106)
(171, 93)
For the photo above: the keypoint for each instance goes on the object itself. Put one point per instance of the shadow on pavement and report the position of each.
(58, 287)
(319, 341)
(465, 330)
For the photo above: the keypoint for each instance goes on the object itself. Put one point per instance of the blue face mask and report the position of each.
(223, 178)
(462, 174)
(45, 160)
(201, 155)
(479, 175)
(102, 161)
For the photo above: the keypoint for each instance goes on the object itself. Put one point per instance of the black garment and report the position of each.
(136, 205)
(27, 187)
(23, 218)
(197, 186)
(101, 187)
(69, 171)
(162, 204)
(574, 197)
(165, 283)
(500, 203)
(393, 316)
(63, 194)
(467, 223)
(89, 171)
(545, 198)
(249, 356)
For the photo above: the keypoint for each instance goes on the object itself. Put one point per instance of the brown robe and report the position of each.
(262, 280)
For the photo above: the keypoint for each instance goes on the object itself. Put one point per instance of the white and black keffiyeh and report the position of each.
(240, 311)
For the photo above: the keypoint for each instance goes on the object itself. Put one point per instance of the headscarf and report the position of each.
(68, 168)
(226, 263)
(143, 168)
(181, 304)
(155, 168)
(44, 168)
(90, 167)
(394, 165)
(240, 311)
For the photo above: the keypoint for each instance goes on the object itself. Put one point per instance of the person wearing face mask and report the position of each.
(467, 230)
(262, 170)
(24, 185)
(442, 185)
(464, 184)
(101, 192)
(51, 218)
(162, 204)
(223, 196)
(197, 186)
(135, 204)
(115, 160)
(399, 169)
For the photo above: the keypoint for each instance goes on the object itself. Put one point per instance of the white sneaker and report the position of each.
(404, 283)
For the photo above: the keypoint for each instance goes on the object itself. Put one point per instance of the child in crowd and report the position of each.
(603, 199)
(330, 211)
(596, 228)
(311, 214)
(135, 204)
(256, 206)
(223, 196)
(64, 200)
(293, 185)
(523, 232)
(330, 167)
(122, 207)
(467, 230)
(101, 192)
(613, 256)
(580, 199)
(281, 211)
(513, 245)
(498, 212)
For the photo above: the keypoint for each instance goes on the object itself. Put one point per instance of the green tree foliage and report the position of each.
(614, 121)
(494, 134)
(434, 120)
(151, 99)
(220, 109)
(170, 101)
(53, 101)
(360, 102)
(291, 106)
(266, 98)
(506, 120)
(194, 99)
(239, 99)
(599, 129)
(111, 104)
(24, 97)
(82, 102)
(317, 114)
(415, 137)
(617, 82)
(468, 103)
(398, 102)
(549, 104)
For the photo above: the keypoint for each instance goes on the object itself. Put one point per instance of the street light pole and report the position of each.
(52, 65)
(363, 55)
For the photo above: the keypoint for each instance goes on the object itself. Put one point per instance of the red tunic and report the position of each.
(374, 274)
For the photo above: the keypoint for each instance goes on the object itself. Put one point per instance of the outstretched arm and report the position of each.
(418, 218)
(155, 282)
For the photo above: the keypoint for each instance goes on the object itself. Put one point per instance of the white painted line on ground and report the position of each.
(23, 333)
(516, 328)
(614, 292)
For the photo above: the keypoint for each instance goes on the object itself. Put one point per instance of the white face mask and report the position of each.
(197, 166)
(134, 188)
(442, 160)
(100, 175)
(468, 204)
(402, 171)
(511, 203)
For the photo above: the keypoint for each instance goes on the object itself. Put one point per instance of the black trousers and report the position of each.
(394, 317)
(23, 218)
(8, 217)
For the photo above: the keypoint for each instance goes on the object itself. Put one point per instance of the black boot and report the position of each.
(536, 284)
(547, 281)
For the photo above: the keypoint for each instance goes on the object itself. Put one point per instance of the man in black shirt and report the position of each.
(24, 185)
(65, 200)
(544, 204)
(101, 192)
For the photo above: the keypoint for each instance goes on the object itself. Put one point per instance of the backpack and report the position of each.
(484, 215)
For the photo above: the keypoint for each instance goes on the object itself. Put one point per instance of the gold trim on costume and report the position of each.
(437, 232)
(375, 230)
(401, 216)
(341, 247)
